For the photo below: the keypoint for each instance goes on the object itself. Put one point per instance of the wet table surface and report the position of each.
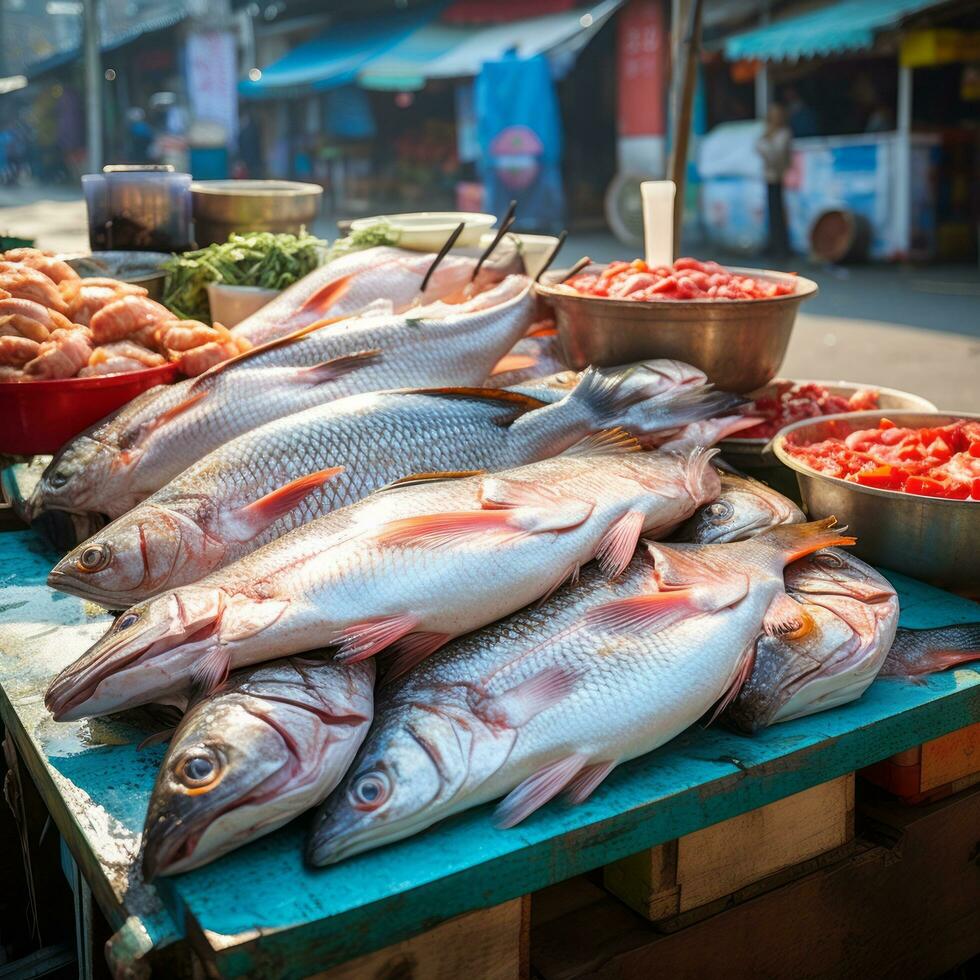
(259, 911)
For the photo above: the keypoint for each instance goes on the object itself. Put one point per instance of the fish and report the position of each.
(116, 464)
(652, 377)
(916, 652)
(290, 471)
(744, 508)
(553, 698)
(536, 355)
(850, 614)
(407, 568)
(269, 745)
(382, 271)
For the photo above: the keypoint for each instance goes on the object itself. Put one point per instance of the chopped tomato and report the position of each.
(883, 477)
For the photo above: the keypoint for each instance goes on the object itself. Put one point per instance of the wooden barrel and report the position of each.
(840, 236)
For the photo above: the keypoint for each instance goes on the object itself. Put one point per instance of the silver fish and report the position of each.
(122, 461)
(916, 652)
(406, 569)
(552, 699)
(272, 743)
(288, 472)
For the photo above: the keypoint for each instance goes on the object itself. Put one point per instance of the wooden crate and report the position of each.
(932, 770)
(908, 907)
(754, 850)
(491, 944)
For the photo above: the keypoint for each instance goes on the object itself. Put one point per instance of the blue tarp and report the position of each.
(335, 57)
(520, 136)
(843, 26)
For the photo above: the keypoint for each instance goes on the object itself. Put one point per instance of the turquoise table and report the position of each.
(260, 911)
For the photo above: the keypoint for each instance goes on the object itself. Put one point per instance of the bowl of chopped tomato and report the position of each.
(907, 484)
(732, 323)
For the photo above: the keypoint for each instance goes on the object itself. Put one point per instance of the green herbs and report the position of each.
(258, 258)
(380, 233)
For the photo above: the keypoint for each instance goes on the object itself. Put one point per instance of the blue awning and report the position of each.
(846, 25)
(334, 58)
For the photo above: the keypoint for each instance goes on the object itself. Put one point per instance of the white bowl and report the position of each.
(427, 231)
(232, 304)
(534, 249)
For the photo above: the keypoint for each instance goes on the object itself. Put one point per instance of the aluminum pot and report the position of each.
(738, 343)
(225, 206)
(929, 538)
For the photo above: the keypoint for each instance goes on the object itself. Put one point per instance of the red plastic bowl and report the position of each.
(41, 416)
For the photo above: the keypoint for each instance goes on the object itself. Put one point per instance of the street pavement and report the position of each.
(910, 327)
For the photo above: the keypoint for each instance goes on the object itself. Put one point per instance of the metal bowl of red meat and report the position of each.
(929, 538)
(41, 416)
(738, 343)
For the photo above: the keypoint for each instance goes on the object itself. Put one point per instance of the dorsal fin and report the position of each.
(504, 398)
(416, 479)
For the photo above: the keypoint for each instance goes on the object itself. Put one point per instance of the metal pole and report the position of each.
(763, 92)
(903, 160)
(93, 86)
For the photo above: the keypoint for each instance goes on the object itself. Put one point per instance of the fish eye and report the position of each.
(94, 558)
(126, 620)
(828, 560)
(198, 771)
(58, 479)
(719, 511)
(369, 791)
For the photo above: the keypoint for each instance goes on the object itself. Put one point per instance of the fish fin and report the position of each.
(679, 565)
(929, 651)
(587, 781)
(796, 540)
(608, 442)
(242, 616)
(543, 328)
(741, 673)
(164, 417)
(408, 652)
(646, 613)
(157, 738)
(783, 617)
(439, 530)
(259, 514)
(415, 479)
(327, 295)
(513, 362)
(362, 640)
(537, 790)
(519, 704)
(337, 367)
(616, 548)
(568, 577)
(518, 403)
(535, 507)
(211, 671)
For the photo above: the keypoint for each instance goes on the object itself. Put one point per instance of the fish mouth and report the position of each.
(65, 581)
(168, 852)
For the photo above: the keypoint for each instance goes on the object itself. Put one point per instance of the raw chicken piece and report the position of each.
(125, 316)
(62, 355)
(17, 351)
(127, 349)
(27, 283)
(85, 297)
(25, 318)
(44, 262)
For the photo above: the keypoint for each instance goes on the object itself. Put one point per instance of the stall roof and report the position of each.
(335, 56)
(440, 50)
(842, 26)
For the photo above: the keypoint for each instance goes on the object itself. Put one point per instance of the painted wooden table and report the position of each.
(259, 911)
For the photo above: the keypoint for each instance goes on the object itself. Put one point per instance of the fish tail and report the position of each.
(696, 469)
(797, 540)
(928, 651)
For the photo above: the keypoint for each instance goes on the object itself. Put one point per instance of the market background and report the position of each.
(394, 105)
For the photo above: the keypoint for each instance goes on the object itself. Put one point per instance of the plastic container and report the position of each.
(41, 416)
(232, 304)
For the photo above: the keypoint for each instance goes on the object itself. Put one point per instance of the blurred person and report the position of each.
(774, 146)
(802, 119)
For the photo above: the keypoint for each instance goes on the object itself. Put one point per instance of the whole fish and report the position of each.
(926, 651)
(286, 473)
(270, 744)
(552, 699)
(123, 460)
(653, 377)
(850, 614)
(744, 508)
(408, 568)
(393, 273)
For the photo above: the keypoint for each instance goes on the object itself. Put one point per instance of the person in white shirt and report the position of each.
(774, 146)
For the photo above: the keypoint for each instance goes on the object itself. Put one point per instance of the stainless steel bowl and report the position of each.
(224, 206)
(140, 268)
(738, 343)
(928, 538)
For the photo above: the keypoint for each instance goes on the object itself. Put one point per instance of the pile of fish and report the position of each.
(374, 580)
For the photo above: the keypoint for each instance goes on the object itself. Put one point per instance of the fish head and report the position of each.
(228, 769)
(647, 379)
(146, 551)
(743, 509)
(834, 572)
(75, 478)
(406, 777)
(150, 652)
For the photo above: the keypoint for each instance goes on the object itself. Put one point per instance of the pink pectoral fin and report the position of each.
(783, 616)
(519, 704)
(537, 790)
(646, 613)
(327, 296)
(211, 671)
(362, 640)
(619, 542)
(586, 782)
(439, 530)
(408, 652)
(258, 515)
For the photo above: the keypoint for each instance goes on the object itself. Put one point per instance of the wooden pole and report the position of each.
(682, 91)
